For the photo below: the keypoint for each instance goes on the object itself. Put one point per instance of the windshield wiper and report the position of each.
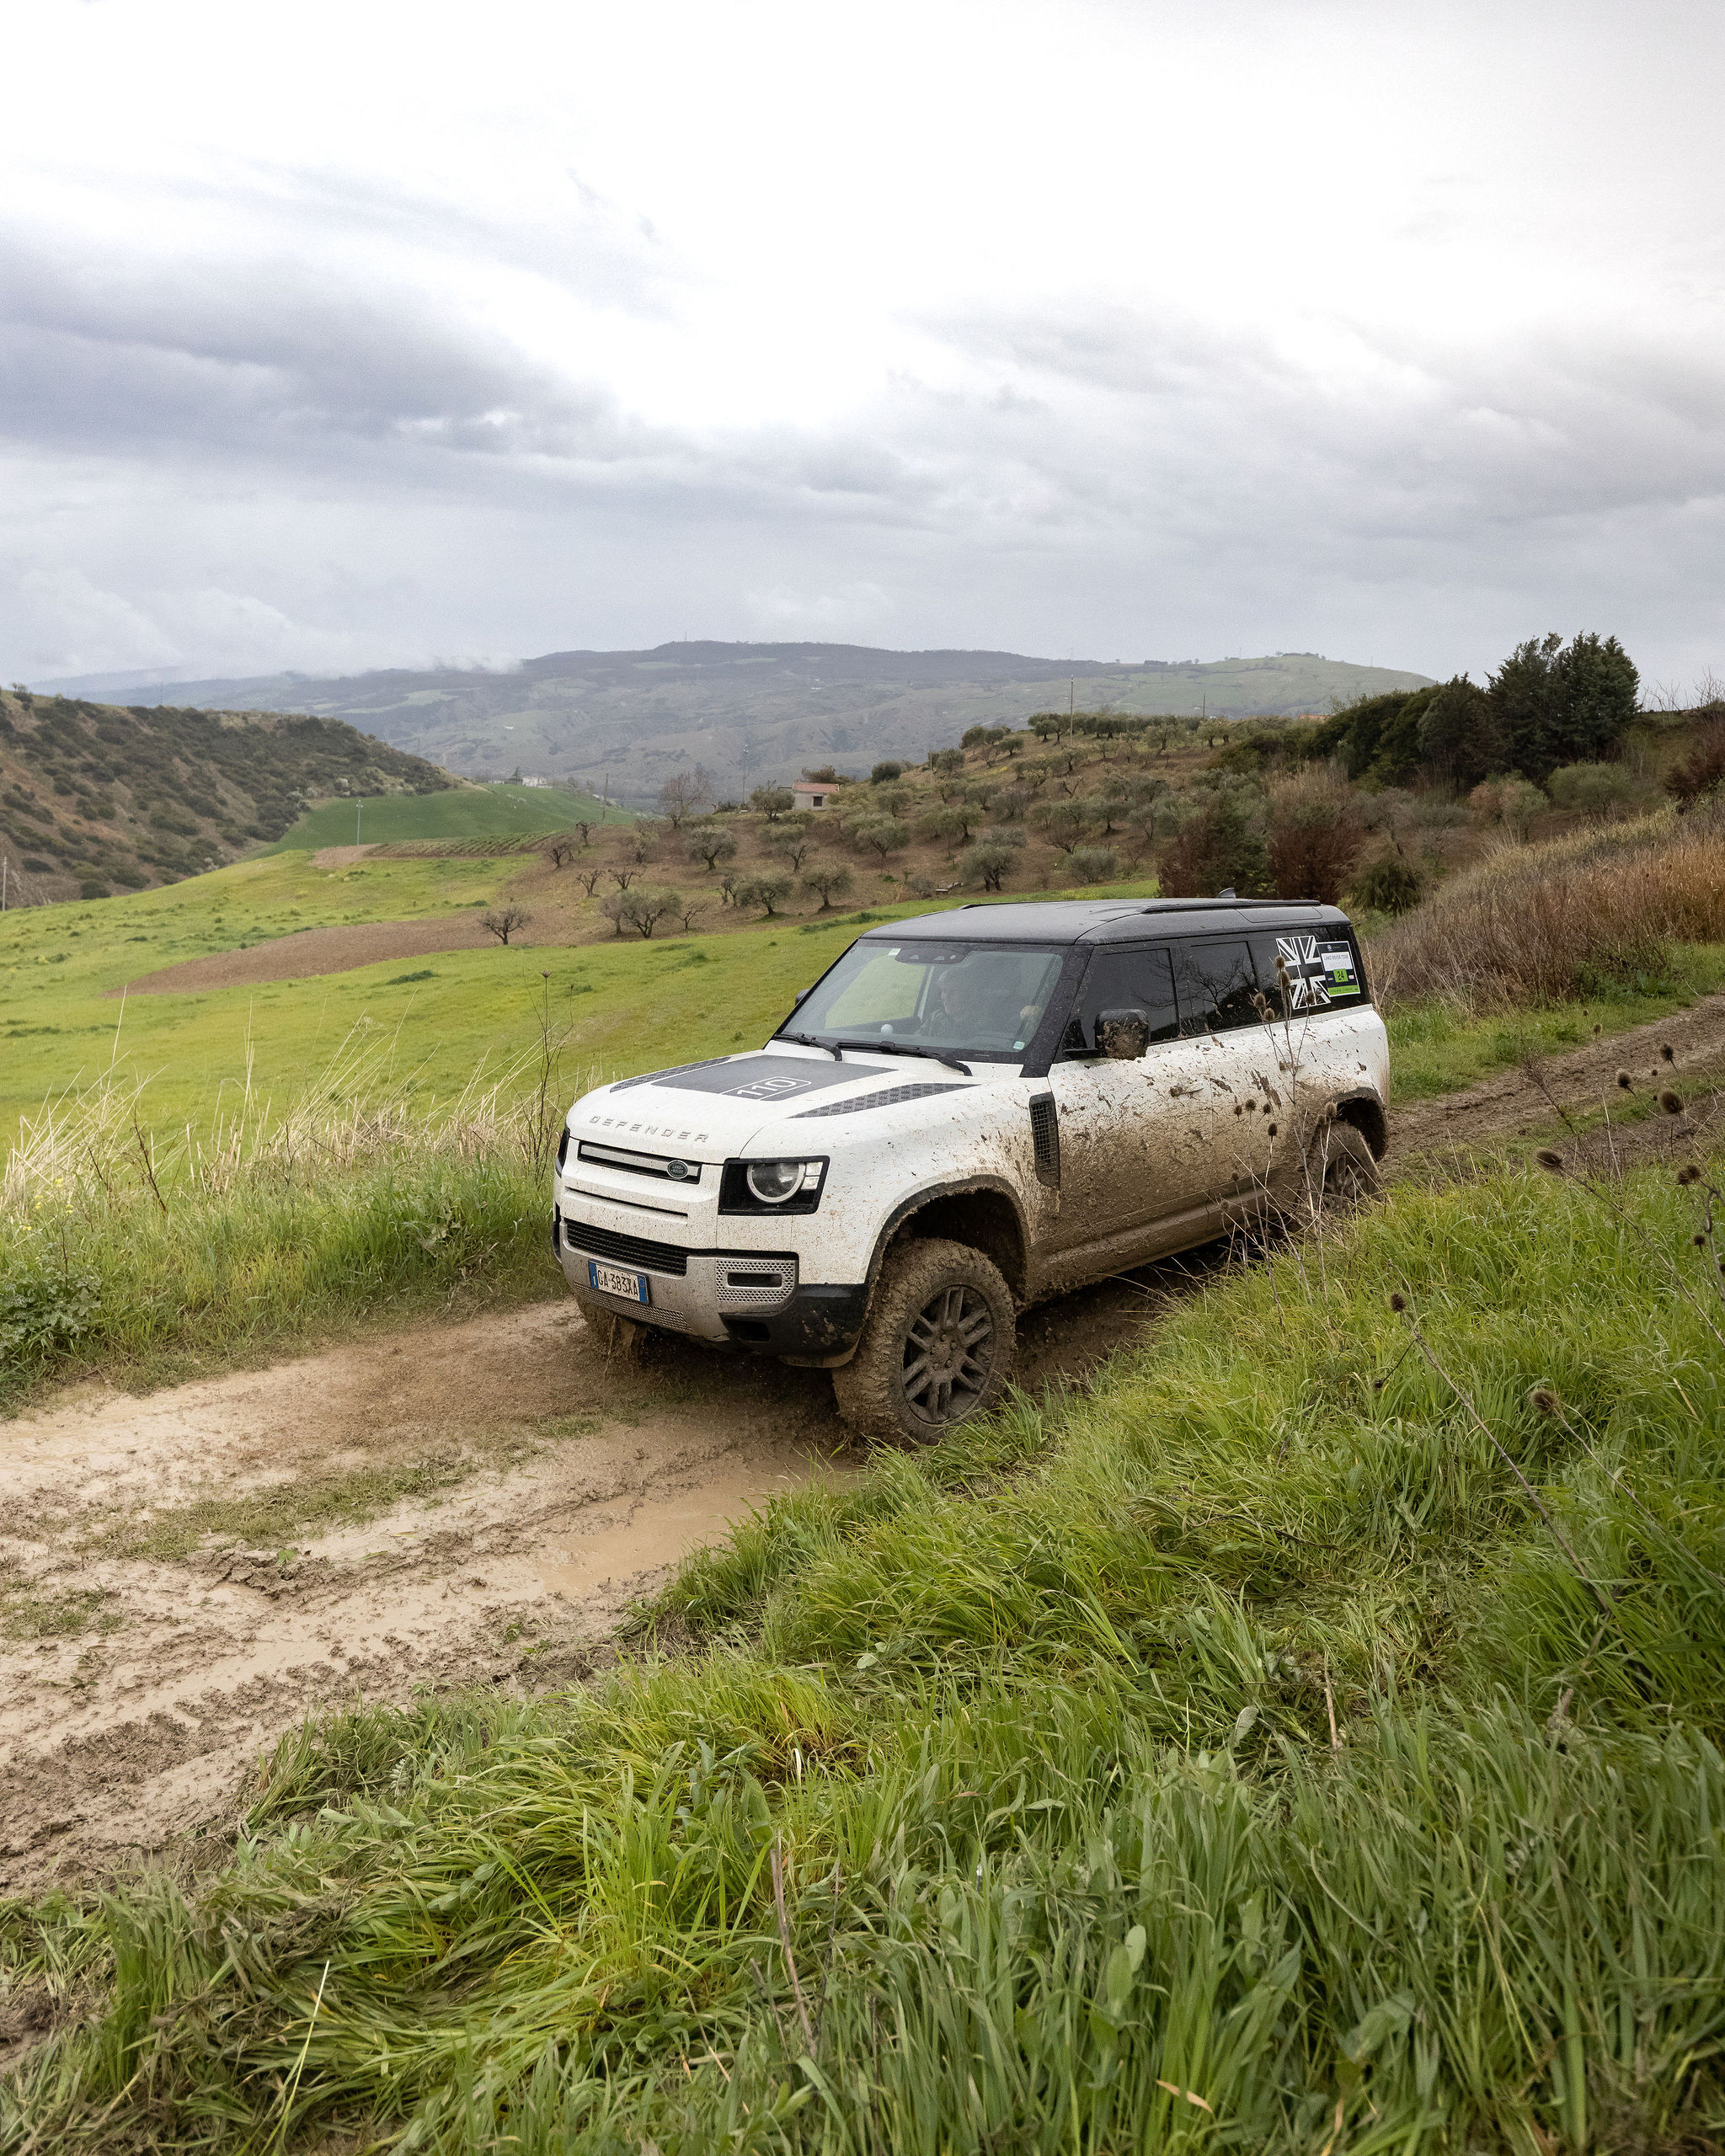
(908, 1048)
(810, 1040)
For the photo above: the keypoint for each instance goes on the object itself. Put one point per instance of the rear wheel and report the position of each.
(1344, 1172)
(937, 1348)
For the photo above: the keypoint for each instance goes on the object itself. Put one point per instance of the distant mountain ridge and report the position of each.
(755, 711)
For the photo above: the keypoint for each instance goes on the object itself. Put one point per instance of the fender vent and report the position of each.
(1045, 1139)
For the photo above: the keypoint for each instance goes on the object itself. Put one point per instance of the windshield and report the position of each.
(974, 999)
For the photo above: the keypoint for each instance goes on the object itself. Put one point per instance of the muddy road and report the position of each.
(186, 1574)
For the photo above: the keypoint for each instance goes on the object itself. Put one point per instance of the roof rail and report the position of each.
(1222, 905)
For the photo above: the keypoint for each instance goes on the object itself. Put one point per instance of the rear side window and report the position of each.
(1140, 979)
(1322, 970)
(1216, 986)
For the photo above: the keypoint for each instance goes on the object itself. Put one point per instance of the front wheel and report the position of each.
(937, 1348)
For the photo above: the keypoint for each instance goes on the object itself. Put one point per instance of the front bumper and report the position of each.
(745, 1298)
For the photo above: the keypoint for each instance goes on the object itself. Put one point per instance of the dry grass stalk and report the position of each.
(1540, 923)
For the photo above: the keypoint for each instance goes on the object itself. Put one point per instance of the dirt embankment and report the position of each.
(1518, 1104)
(184, 1576)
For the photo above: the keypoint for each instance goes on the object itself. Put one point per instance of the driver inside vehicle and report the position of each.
(968, 1005)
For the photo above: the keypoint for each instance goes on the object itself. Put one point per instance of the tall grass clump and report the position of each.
(123, 1245)
(1308, 1740)
(1599, 909)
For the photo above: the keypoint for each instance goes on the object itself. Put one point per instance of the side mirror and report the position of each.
(1123, 1036)
(801, 996)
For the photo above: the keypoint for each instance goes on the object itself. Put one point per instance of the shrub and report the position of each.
(1314, 838)
(641, 907)
(773, 802)
(1512, 801)
(1388, 885)
(1594, 789)
(1702, 772)
(1540, 923)
(883, 772)
(1092, 864)
(1218, 849)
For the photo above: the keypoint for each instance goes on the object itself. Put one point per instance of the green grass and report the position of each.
(1039, 1724)
(464, 812)
(1435, 1049)
(66, 1614)
(306, 1505)
(145, 1295)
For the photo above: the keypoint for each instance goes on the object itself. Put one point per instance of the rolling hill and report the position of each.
(754, 712)
(95, 798)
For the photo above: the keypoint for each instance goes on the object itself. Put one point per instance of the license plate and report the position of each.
(614, 1280)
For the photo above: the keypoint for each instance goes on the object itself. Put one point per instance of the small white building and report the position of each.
(813, 793)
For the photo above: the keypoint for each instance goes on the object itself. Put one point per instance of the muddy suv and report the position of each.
(970, 1113)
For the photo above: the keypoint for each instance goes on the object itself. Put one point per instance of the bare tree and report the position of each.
(589, 878)
(685, 794)
(562, 851)
(643, 837)
(687, 908)
(504, 922)
(622, 875)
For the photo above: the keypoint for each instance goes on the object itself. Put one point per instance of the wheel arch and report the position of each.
(982, 1211)
(1365, 1112)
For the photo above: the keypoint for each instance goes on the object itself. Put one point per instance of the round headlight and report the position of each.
(773, 1182)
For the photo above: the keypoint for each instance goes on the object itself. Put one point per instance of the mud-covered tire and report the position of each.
(1344, 1174)
(937, 1348)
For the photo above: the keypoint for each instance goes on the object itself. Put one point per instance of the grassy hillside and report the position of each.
(755, 711)
(1307, 1742)
(465, 812)
(94, 799)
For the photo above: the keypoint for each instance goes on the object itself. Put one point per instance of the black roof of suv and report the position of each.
(1107, 921)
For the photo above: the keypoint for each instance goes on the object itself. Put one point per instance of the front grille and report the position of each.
(640, 1164)
(625, 1250)
(888, 1098)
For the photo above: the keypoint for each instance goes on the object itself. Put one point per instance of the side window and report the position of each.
(1217, 985)
(1138, 978)
(1322, 970)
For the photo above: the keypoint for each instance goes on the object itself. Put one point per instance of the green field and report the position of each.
(466, 812)
(628, 1006)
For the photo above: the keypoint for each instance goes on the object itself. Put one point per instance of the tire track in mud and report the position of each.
(475, 1504)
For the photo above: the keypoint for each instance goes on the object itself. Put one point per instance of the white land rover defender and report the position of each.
(967, 1113)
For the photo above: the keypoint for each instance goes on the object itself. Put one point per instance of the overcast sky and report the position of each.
(342, 335)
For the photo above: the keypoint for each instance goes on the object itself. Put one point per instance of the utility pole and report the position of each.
(605, 803)
(5, 865)
(359, 811)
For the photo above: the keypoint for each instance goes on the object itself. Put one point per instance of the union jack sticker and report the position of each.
(1307, 969)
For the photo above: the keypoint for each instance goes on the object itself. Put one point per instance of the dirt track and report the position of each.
(475, 1504)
